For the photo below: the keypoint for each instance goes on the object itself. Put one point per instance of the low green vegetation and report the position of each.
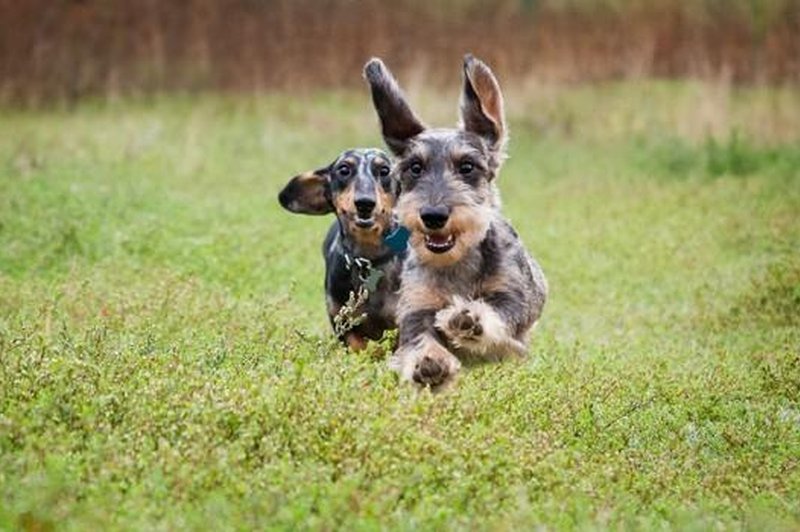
(165, 359)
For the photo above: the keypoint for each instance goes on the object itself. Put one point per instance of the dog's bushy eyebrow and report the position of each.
(419, 149)
(463, 152)
(454, 148)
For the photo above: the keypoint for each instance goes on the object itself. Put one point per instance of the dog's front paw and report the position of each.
(460, 324)
(474, 328)
(465, 324)
(431, 371)
(427, 363)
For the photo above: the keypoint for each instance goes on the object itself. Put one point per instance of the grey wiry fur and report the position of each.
(469, 290)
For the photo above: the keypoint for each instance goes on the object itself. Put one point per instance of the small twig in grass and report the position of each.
(630, 410)
(348, 316)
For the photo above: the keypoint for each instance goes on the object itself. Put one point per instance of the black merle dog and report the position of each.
(469, 289)
(363, 252)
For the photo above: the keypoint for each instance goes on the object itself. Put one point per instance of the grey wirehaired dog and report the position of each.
(360, 257)
(469, 289)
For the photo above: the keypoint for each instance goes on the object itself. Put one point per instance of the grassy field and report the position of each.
(165, 361)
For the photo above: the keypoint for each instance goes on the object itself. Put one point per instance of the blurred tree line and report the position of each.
(61, 50)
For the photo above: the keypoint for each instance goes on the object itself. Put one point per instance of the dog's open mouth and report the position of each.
(438, 243)
(365, 223)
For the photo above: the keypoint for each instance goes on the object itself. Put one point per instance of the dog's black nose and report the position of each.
(364, 206)
(434, 217)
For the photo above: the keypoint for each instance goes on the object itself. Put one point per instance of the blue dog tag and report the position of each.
(397, 240)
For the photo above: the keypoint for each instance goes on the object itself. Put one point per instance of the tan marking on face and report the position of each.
(344, 200)
(383, 210)
(346, 210)
(467, 224)
(369, 238)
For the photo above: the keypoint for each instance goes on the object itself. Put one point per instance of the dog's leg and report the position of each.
(421, 357)
(427, 363)
(355, 341)
(478, 328)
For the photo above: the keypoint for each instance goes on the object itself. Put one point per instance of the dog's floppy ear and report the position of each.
(398, 122)
(482, 104)
(308, 193)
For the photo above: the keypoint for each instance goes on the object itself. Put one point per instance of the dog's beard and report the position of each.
(467, 226)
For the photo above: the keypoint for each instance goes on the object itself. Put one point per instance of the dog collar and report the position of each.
(365, 270)
(369, 274)
(397, 238)
(368, 270)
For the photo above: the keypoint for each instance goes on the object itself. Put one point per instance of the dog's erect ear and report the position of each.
(308, 193)
(398, 122)
(482, 104)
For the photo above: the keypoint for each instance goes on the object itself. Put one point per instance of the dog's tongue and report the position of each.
(438, 240)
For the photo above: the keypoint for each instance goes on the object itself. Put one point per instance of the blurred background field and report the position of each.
(61, 50)
(165, 360)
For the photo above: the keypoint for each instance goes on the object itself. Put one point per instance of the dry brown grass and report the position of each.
(64, 49)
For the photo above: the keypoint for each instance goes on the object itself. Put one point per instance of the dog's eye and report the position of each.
(383, 171)
(466, 167)
(415, 168)
(343, 170)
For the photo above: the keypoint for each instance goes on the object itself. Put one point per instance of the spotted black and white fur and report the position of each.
(359, 188)
(470, 290)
